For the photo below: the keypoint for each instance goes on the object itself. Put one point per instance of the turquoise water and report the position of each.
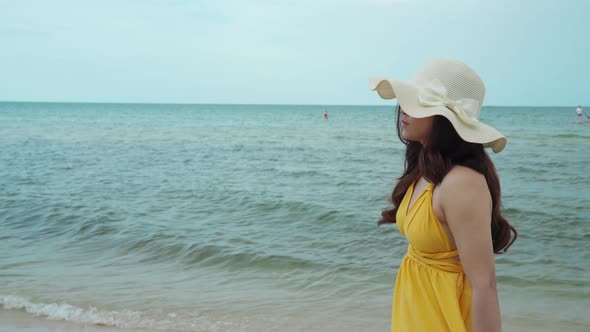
(261, 218)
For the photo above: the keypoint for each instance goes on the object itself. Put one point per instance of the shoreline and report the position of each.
(11, 320)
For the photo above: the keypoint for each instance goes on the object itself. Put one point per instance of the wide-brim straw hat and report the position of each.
(448, 88)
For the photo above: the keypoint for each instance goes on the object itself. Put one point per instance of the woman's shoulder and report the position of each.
(464, 179)
(463, 194)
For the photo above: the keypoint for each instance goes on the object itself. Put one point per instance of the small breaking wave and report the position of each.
(125, 319)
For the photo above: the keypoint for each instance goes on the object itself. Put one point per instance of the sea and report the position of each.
(180, 217)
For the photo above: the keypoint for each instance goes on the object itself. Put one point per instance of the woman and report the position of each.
(446, 203)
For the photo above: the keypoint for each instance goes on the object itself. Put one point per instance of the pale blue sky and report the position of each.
(528, 52)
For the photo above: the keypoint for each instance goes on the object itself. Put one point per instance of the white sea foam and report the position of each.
(64, 311)
(118, 319)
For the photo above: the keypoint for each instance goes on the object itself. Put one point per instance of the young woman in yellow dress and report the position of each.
(446, 203)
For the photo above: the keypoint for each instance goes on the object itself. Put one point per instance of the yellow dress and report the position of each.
(432, 292)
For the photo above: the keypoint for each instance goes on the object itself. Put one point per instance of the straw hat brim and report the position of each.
(407, 96)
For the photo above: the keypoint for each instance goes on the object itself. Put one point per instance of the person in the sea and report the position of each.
(580, 113)
(326, 115)
(446, 203)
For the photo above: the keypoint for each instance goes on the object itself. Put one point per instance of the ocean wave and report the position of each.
(515, 213)
(160, 320)
(216, 255)
(570, 136)
(302, 173)
(571, 289)
(67, 312)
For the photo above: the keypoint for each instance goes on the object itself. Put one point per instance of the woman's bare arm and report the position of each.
(467, 206)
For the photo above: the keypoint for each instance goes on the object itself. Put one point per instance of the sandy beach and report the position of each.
(16, 320)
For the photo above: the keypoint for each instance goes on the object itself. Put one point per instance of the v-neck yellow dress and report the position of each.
(432, 292)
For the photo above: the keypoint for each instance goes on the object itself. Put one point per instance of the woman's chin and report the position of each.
(410, 138)
(406, 136)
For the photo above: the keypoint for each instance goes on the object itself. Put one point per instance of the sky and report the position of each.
(321, 52)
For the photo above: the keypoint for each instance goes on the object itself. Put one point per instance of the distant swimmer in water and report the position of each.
(580, 113)
(326, 115)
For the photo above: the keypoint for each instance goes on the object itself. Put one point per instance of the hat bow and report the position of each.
(435, 94)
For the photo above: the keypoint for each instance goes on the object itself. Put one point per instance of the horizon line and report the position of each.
(236, 104)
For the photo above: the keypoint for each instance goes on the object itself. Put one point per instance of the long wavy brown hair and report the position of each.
(433, 161)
